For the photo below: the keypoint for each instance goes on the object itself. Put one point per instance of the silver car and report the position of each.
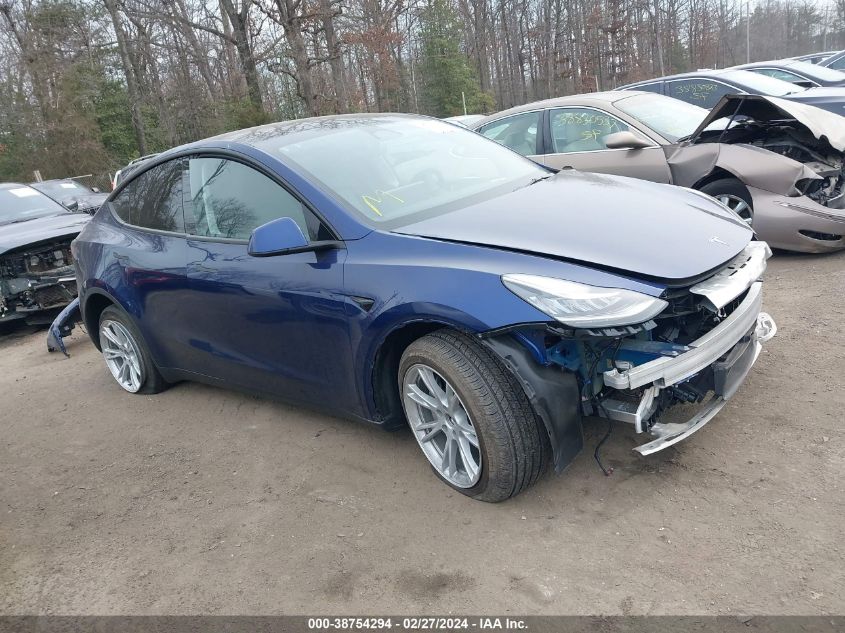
(778, 164)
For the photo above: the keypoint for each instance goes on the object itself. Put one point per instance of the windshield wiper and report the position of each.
(534, 181)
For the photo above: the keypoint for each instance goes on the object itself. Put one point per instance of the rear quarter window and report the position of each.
(155, 199)
(656, 87)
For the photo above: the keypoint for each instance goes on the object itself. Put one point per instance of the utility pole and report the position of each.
(747, 31)
(657, 39)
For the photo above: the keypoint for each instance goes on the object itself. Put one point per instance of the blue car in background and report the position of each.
(401, 270)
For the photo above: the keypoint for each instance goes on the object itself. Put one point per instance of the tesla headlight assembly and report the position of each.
(582, 306)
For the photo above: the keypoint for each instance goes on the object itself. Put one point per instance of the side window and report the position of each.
(838, 64)
(230, 200)
(154, 200)
(518, 132)
(122, 203)
(783, 75)
(582, 129)
(700, 92)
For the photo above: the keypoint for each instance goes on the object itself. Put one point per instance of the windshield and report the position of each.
(25, 203)
(672, 118)
(761, 84)
(392, 171)
(61, 189)
(816, 72)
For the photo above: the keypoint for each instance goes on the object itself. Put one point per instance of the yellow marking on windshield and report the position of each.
(379, 195)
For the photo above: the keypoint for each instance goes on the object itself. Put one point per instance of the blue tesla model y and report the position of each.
(401, 270)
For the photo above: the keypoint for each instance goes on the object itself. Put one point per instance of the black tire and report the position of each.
(152, 382)
(735, 189)
(513, 442)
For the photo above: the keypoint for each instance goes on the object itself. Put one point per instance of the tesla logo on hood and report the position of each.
(717, 240)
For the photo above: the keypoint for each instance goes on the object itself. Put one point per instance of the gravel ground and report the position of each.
(199, 500)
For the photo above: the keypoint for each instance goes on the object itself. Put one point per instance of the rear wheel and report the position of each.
(126, 354)
(471, 419)
(733, 194)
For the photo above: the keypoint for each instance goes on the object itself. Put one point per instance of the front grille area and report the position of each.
(54, 295)
(37, 261)
(688, 316)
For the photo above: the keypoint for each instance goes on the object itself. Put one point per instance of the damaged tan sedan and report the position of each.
(779, 165)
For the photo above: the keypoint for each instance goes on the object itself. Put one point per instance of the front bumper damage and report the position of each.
(687, 362)
(720, 359)
(62, 326)
(797, 223)
(730, 350)
(36, 279)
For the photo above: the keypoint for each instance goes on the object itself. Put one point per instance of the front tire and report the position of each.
(733, 194)
(470, 417)
(126, 354)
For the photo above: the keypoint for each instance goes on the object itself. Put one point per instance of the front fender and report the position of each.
(553, 393)
(753, 166)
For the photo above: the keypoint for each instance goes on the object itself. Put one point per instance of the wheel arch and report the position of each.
(717, 173)
(384, 388)
(96, 300)
(553, 394)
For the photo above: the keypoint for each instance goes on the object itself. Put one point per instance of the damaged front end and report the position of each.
(36, 278)
(696, 351)
(804, 134)
(791, 158)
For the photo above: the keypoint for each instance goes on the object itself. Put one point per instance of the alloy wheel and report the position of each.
(122, 355)
(442, 426)
(737, 205)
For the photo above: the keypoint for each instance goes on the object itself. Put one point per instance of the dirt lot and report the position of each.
(200, 500)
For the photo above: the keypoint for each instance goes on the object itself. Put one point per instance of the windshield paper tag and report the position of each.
(23, 192)
(68, 185)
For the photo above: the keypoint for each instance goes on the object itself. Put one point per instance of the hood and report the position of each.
(14, 236)
(657, 231)
(823, 125)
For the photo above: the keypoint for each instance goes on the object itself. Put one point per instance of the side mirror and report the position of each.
(73, 205)
(95, 189)
(625, 140)
(277, 237)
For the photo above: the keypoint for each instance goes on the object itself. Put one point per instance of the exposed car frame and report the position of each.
(37, 276)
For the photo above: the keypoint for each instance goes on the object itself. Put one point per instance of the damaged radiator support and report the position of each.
(646, 375)
(38, 278)
(643, 407)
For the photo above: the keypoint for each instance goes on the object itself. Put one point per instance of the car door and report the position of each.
(576, 138)
(146, 257)
(275, 324)
(520, 132)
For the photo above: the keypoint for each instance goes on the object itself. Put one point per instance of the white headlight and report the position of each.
(583, 306)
